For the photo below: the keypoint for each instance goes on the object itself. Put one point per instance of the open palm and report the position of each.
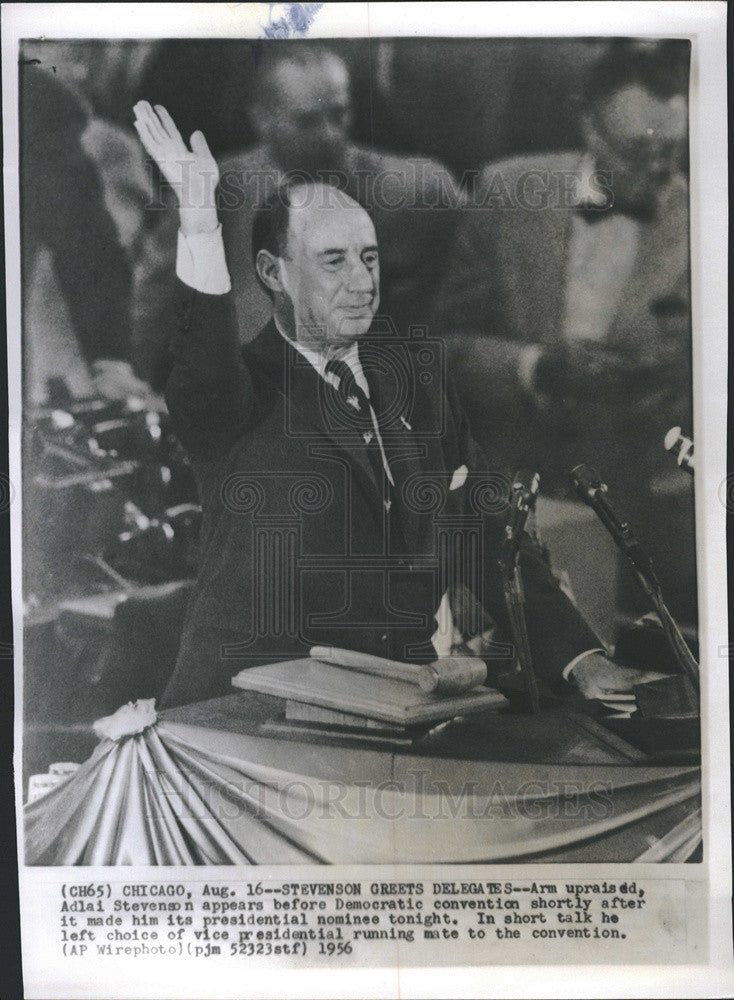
(192, 173)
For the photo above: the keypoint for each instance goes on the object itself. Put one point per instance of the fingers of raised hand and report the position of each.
(146, 137)
(200, 146)
(145, 126)
(158, 128)
(148, 119)
(167, 124)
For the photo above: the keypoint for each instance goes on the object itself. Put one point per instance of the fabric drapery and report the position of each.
(179, 795)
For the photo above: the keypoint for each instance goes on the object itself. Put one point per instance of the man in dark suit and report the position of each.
(345, 503)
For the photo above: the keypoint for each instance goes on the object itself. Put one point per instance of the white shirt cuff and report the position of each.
(568, 669)
(201, 264)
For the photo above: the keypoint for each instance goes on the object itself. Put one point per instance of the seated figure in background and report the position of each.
(566, 303)
(566, 299)
(302, 112)
(75, 253)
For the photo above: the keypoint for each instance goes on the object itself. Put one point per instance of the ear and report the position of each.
(268, 269)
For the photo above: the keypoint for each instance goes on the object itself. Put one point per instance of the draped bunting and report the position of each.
(169, 795)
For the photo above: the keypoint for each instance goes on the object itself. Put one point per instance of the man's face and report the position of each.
(306, 115)
(640, 139)
(330, 269)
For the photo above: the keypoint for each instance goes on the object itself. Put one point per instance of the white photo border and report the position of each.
(704, 23)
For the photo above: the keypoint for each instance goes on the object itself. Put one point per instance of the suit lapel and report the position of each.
(408, 432)
(307, 406)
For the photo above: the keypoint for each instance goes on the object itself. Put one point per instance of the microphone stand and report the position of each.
(523, 500)
(677, 643)
(679, 647)
(592, 491)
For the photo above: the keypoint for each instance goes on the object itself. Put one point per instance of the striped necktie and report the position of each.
(353, 396)
(362, 416)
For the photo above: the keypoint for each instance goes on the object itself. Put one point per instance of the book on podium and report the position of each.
(343, 696)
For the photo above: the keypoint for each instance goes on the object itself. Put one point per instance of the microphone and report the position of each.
(680, 447)
(588, 486)
(523, 494)
(592, 491)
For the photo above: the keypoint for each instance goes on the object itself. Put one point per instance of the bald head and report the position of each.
(302, 108)
(325, 275)
(325, 222)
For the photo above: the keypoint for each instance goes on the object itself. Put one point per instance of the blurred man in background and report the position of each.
(76, 277)
(302, 111)
(567, 294)
(567, 299)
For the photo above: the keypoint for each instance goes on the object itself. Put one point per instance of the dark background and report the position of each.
(492, 97)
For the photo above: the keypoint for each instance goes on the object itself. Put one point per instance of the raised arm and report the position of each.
(209, 390)
(192, 173)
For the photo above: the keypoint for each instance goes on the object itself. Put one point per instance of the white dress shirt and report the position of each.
(601, 259)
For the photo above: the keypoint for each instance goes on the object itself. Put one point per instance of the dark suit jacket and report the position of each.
(505, 288)
(295, 546)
